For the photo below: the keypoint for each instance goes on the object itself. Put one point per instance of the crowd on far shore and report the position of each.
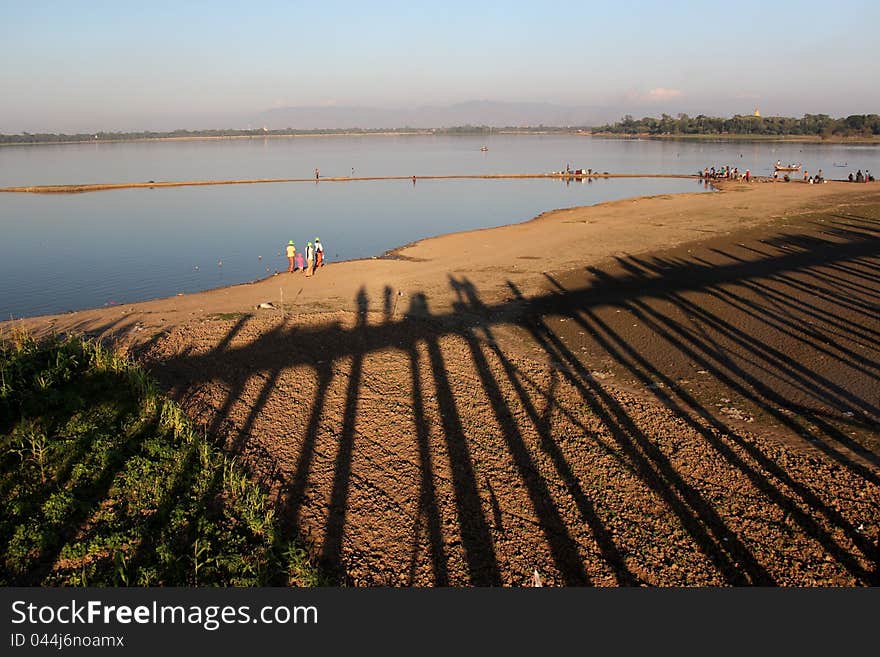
(860, 177)
(728, 173)
(725, 173)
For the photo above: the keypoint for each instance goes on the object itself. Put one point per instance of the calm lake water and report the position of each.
(69, 252)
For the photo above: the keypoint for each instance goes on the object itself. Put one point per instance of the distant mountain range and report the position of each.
(484, 112)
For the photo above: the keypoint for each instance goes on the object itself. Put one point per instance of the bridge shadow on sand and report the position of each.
(703, 417)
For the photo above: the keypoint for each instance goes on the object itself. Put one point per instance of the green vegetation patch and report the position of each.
(103, 482)
(865, 126)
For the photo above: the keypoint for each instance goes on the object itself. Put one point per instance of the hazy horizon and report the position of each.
(74, 67)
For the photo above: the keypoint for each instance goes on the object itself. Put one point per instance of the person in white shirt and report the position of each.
(319, 253)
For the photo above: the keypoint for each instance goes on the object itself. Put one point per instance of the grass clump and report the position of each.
(104, 482)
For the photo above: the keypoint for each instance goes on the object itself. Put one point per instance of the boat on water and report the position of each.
(841, 164)
(484, 148)
(790, 167)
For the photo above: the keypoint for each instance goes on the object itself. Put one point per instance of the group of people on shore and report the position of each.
(861, 177)
(812, 180)
(314, 257)
(725, 173)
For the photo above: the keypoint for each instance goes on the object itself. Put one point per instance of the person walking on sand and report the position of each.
(319, 253)
(748, 175)
(317, 175)
(291, 253)
(310, 259)
(299, 261)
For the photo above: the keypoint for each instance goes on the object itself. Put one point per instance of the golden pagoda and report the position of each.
(757, 112)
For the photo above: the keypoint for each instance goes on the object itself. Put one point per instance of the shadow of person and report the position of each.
(386, 304)
(418, 306)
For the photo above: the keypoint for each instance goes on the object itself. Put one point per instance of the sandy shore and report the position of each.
(152, 184)
(555, 241)
(666, 390)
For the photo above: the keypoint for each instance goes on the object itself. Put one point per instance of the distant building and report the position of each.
(757, 112)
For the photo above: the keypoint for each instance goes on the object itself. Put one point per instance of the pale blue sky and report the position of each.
(130, 65)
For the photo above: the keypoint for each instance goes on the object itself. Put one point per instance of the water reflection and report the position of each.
(81, 251)
(70, 252)
(404, 155)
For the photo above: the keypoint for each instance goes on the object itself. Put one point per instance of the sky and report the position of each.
(89, 66)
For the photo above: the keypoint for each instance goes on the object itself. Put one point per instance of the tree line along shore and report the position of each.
(25, 138)
(855, 128)
(862, 127)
